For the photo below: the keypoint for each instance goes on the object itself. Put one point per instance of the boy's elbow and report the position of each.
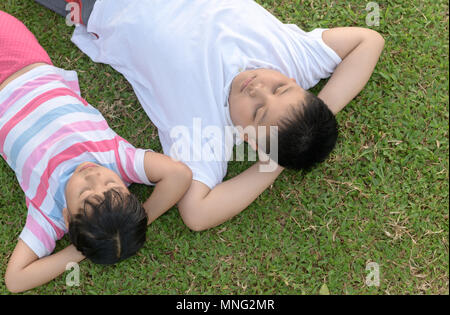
(13, 289)
(380, 39)
(193, 218)
(195, 226)
(376, 37)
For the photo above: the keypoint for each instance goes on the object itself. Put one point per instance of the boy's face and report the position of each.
(89, 182)
(262, 97)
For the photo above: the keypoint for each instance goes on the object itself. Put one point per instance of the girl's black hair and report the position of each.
(110, 230)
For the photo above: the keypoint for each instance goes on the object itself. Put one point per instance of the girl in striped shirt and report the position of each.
(74, 170)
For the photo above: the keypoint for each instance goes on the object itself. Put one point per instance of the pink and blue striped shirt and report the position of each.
(46, 131)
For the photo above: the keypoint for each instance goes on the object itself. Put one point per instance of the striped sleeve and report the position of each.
(38, 233)
(132, 163)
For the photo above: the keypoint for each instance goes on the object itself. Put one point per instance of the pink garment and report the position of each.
(18, 47)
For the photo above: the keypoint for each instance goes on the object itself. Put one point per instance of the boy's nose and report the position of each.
(257, 90)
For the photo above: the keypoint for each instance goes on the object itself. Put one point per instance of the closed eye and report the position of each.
(256, 112)
(83, 191)
(112, 184)
(277, 88)
(286, 90)
(109, 182)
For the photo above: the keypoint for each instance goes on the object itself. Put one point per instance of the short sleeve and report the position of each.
(132, 166)
(209, 173)
(38, 233)
(315, 60)
(327, 50)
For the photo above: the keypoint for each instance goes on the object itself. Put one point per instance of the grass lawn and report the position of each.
(382, 197)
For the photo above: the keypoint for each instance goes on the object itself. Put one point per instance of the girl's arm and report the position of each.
(359, 49)
(172, 181)
(25, 271)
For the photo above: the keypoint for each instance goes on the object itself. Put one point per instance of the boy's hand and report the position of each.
(202, 208)
(266, 164)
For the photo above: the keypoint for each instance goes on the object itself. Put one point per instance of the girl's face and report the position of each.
(89, 182)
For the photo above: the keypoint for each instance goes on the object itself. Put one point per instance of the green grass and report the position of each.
(382, 197)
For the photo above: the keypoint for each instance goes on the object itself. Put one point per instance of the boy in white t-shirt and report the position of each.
(200, 67)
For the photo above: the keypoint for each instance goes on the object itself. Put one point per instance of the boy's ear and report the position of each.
(66, 217)
(253, 144)
(250, 141)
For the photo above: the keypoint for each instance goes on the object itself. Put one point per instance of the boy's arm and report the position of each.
(359, 49)
(202, 208)
(172, 181)
(25, 271)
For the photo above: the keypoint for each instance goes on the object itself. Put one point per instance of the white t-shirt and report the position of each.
(181, 57)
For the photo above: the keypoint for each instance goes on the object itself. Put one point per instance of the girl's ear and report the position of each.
(66, 217)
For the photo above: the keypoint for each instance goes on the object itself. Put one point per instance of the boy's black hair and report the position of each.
(111, 230)
(308, 135)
